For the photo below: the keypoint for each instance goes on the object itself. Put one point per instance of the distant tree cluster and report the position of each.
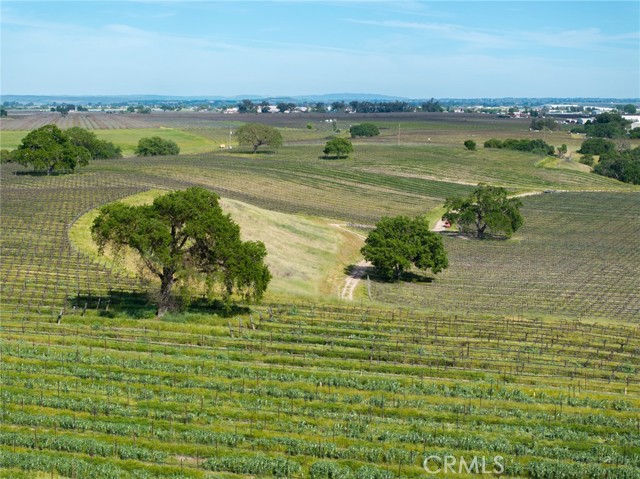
(605, 125)
(355, 106)
(63, 109)
(532, 146)
(285, 106)
(431, 106)
(380, 107)
(539, 124)
(49, 149)
(364, 130)
(145, 110)
(629, 109)
(156, 146)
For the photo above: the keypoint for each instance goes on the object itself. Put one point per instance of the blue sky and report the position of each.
(414, 49)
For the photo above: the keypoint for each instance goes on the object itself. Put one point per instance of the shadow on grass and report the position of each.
(371, 273)
(43, 173)
(143, 306)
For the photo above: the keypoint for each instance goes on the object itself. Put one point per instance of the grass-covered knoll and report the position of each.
(304, 254)
(577, 256)
(286, 390)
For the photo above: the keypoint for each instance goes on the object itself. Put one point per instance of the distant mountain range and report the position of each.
(325, 98)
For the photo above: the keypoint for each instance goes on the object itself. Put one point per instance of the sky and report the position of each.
(404, 48)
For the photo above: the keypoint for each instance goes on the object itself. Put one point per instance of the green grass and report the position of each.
(10, 139)
(128, 139)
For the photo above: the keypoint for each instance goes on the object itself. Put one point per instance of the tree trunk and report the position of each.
(166, 284)
(397, 272)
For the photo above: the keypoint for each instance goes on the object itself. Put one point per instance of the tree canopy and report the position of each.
(156, 146)
(99, 149)
(532, 146)
(396, 244)
(470, 145)
(364, 129)
(486, 210)
(431, 106)
(544, 124)
(596, 146)
(622, 165)
(49, 149)
(185, 235)
(257, 134)
(607, 125)
(338, 148)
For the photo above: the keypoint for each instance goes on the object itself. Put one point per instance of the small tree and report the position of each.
(256, 134)
(49, 149)
(364, 129)
(470, 145)
(182, 235)
(156, 146)
(486, 209)
(398, 243)
(3, 112)
(562, 150)
(338, 148)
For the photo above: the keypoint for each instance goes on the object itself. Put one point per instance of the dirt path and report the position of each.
(357, 273)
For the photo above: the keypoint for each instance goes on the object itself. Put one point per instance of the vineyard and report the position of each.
(526, 349)
(578, 256)
(307, 391)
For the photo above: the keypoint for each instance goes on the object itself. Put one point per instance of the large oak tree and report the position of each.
(49, 149)
(487, 209)
(256, 134)
(183, 235)
(398, 243)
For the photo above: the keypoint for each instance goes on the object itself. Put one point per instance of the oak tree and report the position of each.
(256, 134)
(49, 149)
(487, 209)
(396, 244)
(185, 235)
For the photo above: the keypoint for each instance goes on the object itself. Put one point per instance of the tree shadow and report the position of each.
(371, 273)
(141, 305)
(333, 157)
(43, 172)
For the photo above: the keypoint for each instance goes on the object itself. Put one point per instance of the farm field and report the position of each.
(527, 349)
